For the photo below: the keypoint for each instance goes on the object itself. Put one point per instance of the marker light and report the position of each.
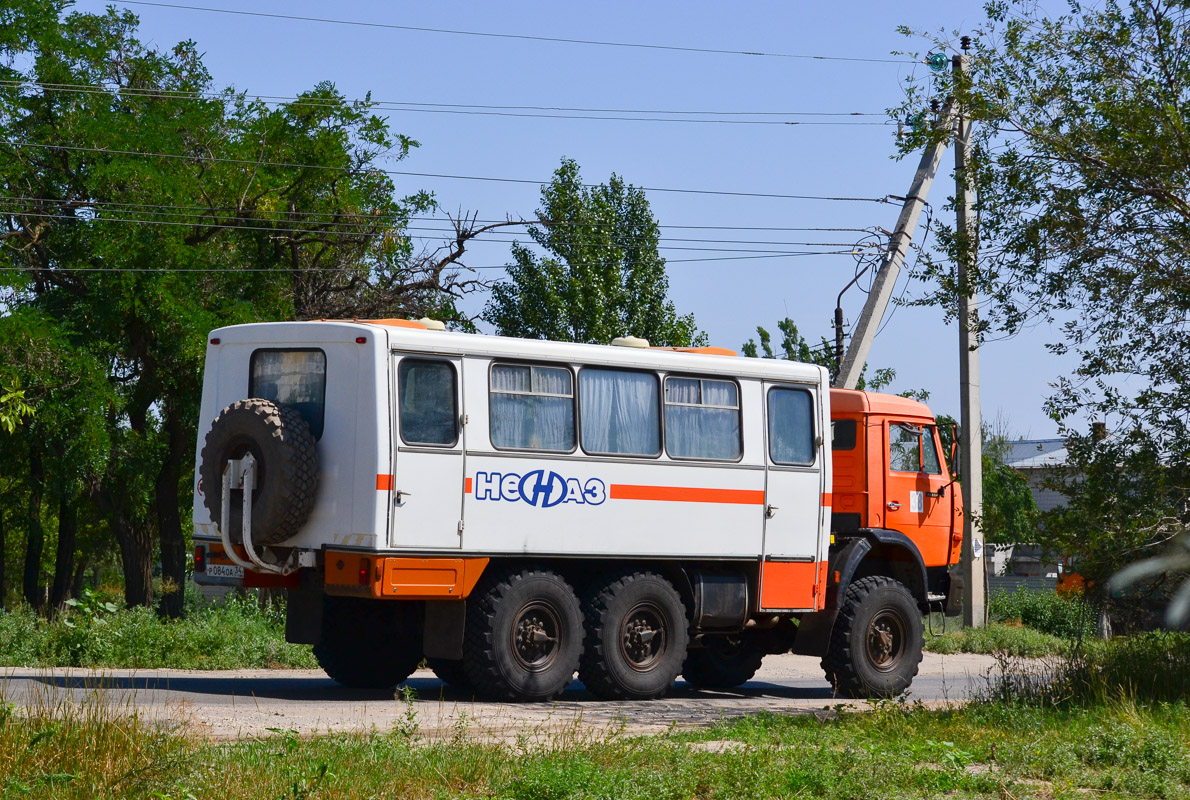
(200, 558)
(365, 568)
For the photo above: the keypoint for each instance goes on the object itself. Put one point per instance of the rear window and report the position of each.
(295, 378)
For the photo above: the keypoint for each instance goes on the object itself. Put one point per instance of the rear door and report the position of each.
(427, 491)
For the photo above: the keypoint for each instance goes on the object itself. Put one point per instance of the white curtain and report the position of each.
(523, 418)
(620, 413)
(698, 430)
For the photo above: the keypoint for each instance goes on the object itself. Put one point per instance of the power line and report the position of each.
(533, 112)
(349, 229)
(250, 162)
(520, 36)
(289, 271)
(439, 219)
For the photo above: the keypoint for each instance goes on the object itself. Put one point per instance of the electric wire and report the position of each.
(289, 165)
(416, 218)
(531, 112)
(519, 36)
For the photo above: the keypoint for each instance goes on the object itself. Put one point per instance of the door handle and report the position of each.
(400, 494)
(769, 511)
(893, 505)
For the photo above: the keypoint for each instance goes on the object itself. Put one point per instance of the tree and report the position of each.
(602, 275)
(1083, 222)
(794, 347)
(143, 206)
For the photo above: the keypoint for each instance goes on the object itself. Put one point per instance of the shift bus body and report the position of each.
(516, 511)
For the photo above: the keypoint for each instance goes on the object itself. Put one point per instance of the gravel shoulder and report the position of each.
(248, 703)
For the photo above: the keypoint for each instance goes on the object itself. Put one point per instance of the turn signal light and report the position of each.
(200, 559)
(365, 568)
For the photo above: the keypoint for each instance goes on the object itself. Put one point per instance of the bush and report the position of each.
(1067, 616)
(237, 634)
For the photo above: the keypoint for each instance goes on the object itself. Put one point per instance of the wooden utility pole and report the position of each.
(971, 421)
(890, 268)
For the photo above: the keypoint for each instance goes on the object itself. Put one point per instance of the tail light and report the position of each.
(365, 571)
(200, 558)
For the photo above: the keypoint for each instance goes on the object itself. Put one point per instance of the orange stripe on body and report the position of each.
(467, 486)
(686, 494)
(826, 500)
(384, 483)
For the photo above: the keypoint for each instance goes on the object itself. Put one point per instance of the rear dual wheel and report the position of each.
(637, 632)
(523, 635)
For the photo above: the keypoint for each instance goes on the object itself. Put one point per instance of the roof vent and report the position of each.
(433, 324)
(630, 341)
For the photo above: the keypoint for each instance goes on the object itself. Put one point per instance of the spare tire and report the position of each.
(286, 468)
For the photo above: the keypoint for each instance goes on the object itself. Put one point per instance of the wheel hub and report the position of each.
(535, 637)
(886, 640)
(643, 637)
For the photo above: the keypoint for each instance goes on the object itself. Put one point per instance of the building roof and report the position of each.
(1036, 453)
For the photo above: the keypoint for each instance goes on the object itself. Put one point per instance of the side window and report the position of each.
(532, 408)
(428, 402)
(791, 426)
(294, 378)
(843, 434)
(929, 453)
(702, 419)
(620, 412)
(911, 449)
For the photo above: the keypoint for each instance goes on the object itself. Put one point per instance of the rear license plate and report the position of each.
(225, 571)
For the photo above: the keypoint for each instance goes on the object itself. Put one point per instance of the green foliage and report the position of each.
(1009, 511)
(115, 262)
(1068, 616)
(795, 347)
(93, 632)
(601, 276)
(13, 407)
(1014, 640)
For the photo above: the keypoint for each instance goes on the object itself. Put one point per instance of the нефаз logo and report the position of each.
(538, 488)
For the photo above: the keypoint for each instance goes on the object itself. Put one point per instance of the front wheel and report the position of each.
(876, 645)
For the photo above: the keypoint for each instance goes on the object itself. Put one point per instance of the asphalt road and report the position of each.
(243, 703)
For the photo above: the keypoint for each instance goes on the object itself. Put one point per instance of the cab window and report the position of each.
(911, 448)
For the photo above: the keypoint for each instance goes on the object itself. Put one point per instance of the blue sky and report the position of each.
(728, 298)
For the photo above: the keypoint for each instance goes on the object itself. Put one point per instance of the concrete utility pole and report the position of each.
(971, 421)
(890, 268)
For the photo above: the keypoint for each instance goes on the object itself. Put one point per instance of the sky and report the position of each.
(731, 295)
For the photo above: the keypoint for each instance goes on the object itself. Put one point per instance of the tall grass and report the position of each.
(1068, 616)
(235, 635)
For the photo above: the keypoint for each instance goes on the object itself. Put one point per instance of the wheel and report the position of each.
(637, 633)
(450, 671)
(876, 644)
(369, 644)
(723, 662)
(524, 640)
(286, 468)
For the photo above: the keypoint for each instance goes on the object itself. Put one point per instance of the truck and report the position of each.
(513, 512)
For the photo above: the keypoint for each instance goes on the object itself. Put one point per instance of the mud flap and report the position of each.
(954, 594)
(443, 637)
(814, 633)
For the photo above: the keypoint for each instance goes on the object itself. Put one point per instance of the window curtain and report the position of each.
(620, 413)
(527, 420)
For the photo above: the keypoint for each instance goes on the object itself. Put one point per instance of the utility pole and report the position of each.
(971, 422)
(890, 268)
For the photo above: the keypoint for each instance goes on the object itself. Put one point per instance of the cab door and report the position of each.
(916, 489)
(427, 490)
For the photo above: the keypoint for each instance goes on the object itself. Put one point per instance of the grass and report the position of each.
(237, 635)
(1028, 748)
(1023, 624)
